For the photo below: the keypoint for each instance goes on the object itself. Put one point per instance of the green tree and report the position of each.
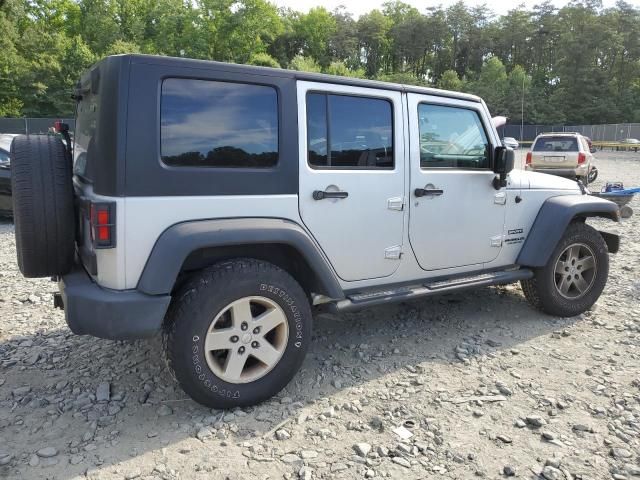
(402, 78)
(315, 30)
(450, 81)
(491, 85)
(578, 64)
(341, 69)
(305, 64)
(343, 44)
(236, 30)
(263, 60)
(373, 31)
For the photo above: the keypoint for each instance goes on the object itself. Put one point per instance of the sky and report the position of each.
(358, 7)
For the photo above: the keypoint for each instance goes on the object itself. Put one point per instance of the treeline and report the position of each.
(579, 64)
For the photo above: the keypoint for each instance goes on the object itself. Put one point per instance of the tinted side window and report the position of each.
(218, 124)
(451, 137)
(349, 132)
(317, 129)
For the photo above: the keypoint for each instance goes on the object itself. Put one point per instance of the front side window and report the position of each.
(451, 137)
(349, 132)
(208, 123)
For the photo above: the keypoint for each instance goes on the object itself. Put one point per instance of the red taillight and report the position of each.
(581, 158)
(529, 155)
(103, 225)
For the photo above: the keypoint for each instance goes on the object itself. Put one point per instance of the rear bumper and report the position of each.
(113, 314)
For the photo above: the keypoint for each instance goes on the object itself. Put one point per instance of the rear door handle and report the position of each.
(322, 194)
(428, 192)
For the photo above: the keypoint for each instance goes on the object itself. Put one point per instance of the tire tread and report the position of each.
(44, 215)
(220, 273)
(539, 290)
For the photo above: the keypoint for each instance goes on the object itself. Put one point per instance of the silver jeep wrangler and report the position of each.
(221, 204)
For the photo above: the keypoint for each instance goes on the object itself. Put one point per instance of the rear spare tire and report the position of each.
(42, 189)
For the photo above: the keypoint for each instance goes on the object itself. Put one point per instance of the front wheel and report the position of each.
(574, 276)
(237, 333)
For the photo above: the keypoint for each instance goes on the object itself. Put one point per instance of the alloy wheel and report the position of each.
(575, 271)
(246, 340)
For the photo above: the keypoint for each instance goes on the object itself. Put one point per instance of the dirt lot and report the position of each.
(483, 385)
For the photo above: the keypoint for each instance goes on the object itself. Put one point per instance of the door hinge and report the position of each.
(393, 253)
(500, 198)
(395, 203)
(496, 241)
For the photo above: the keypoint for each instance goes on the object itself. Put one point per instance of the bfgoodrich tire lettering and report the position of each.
(195, 310)
(545, 290)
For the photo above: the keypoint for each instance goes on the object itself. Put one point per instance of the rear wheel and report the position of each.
(43, 211)
(237, 333)
(575, 275)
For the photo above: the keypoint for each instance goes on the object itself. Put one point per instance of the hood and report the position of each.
(541, 181)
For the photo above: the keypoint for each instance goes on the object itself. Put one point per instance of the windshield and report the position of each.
(556, 144)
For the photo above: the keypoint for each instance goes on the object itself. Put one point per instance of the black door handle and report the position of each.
(321, 194)
(423, 192)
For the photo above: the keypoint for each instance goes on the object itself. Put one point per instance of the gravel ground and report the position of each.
(469, 385)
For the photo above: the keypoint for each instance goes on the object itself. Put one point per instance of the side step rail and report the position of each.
(357, 301)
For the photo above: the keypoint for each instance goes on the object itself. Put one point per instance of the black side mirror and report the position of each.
(503, 163)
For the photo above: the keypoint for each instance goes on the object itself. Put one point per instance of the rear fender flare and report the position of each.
(177, 242)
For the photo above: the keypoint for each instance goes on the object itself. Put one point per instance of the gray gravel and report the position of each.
(469, 385)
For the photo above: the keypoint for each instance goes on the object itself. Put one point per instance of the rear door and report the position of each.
(352, 176)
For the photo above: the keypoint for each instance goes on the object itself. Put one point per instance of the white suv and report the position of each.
(563, 154)
(220, 205)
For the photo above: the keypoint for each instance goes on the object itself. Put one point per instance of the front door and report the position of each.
(352, 176)
(456, 216)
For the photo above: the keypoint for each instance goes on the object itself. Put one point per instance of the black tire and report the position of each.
(43, 211)
(541, 290)
(593, 174)
(197, 304)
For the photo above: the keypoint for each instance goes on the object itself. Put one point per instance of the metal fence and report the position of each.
(598, 133)
(613, 132)
(31, 125)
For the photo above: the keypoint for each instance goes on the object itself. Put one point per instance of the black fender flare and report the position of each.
(177, 242)
(553, 219)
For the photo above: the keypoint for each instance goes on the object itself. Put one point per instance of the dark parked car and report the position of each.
(6, 206)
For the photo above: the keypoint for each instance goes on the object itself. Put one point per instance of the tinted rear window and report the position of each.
(556, 144)
(218, 124)
(85, 130)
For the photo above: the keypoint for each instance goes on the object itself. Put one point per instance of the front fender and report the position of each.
(553, 219)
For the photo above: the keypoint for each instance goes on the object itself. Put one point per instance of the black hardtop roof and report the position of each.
(278, 72)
